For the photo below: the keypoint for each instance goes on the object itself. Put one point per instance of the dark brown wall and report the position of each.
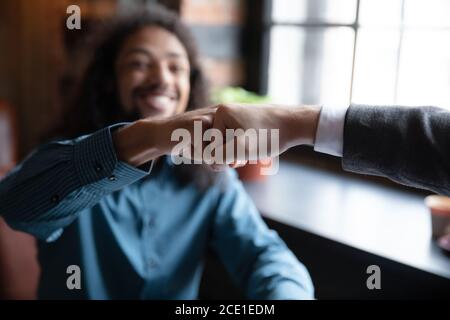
(29, 68)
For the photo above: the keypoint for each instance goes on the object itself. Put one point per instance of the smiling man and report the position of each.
(160, 51)
(108, 199)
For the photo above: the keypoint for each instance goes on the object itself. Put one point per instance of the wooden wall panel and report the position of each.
(214, 12)
(30, 64)
(218, 26)
(32, 59)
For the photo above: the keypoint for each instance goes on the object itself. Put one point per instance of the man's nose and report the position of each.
(159, 74)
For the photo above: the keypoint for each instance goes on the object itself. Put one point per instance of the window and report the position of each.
(363, 51)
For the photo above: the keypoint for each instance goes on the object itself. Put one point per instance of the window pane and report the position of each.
(427, 13)
(424, 77)
(375, 66)
(434, 13)
(310, 65)
(380, 12)
(310, 11)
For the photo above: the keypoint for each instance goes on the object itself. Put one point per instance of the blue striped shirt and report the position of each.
(136, 234)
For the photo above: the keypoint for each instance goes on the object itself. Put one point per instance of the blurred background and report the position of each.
(293, 51)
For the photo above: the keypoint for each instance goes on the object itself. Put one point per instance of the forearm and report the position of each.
(278, 275)
(57, 181)
(256, 257)
(301, 125)
(148, 139)
(137, 143)
(408, 145)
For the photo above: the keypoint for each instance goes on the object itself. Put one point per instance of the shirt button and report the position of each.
(151, 222)
(55, 198)
(112, 178)
(151, 264)
(98, 167)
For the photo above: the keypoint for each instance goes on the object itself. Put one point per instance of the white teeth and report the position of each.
(161, 99)
(159, 102)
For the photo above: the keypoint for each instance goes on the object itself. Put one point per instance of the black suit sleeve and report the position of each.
(408, 145)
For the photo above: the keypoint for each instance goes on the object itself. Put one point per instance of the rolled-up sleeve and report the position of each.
(255, 256)
(47, 190)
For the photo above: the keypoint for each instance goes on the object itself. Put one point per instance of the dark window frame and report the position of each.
(261, 16)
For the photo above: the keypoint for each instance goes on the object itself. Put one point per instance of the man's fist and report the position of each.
(294, 126)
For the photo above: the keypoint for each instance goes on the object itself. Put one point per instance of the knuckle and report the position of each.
(223, 108)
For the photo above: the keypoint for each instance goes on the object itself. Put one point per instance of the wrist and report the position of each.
(302, 125)
(138, 143)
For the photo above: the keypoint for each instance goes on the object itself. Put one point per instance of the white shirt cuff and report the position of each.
(330, 130)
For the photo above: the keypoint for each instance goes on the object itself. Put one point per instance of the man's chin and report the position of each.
(145, 112)
(153, 112)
